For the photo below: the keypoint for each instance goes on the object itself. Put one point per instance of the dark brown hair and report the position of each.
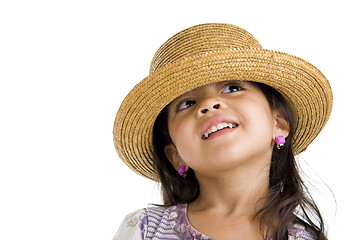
(289, 200)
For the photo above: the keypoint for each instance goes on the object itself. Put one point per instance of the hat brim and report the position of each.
(302, 84)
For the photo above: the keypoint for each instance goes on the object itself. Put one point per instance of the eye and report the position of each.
(232, 87)
(185, 104)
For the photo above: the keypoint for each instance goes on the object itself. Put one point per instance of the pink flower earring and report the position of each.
(182, 171)
(280, 141)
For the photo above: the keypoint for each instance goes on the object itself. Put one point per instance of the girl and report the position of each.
(218, 122)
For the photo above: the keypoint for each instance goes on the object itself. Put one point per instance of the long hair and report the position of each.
(288, 201)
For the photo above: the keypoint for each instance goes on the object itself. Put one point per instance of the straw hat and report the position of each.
(210, 53)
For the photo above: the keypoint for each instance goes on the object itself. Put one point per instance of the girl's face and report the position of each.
(221, 126)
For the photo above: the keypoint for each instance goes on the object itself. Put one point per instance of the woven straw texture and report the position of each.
(209, 53)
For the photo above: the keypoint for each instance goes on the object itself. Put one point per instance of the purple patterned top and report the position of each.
(155, 223)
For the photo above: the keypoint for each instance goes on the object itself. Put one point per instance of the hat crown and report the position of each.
(202, 38)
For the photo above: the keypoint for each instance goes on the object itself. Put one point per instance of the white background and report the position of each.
(65, 67)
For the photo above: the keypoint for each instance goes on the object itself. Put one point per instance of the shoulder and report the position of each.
(132, 226)
(298, 231)
(145, 223)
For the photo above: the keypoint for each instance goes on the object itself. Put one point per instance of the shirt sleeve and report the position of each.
(133, 226)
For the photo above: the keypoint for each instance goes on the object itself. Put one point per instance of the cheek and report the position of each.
(259, 120)
(186, 141)
(181, 134)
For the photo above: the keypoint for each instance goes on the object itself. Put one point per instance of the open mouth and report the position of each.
(217, 128)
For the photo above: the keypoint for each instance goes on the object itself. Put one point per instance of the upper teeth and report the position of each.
(218, 127)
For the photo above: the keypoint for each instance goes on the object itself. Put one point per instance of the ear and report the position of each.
(174, 157)
(281, 125)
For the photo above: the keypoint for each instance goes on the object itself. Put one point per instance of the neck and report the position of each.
(239, 191)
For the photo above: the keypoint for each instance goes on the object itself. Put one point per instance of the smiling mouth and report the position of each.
(217, 128)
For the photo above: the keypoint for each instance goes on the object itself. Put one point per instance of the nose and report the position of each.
(216, 106)
(209, 104)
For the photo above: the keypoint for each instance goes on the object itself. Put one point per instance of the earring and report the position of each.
(182, 171)
(280, 140)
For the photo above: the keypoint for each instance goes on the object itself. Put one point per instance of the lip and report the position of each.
(213, 121)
